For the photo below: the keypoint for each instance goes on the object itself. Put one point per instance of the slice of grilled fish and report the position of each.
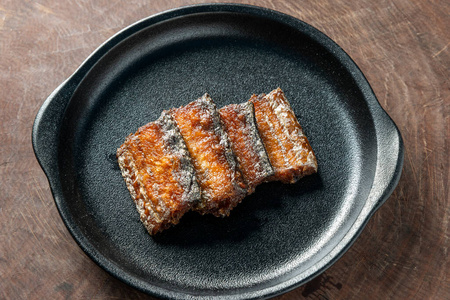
(159, 174)
(221, 182)
(240, 124)
(288, 148)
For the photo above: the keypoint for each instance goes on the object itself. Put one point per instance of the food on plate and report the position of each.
(199, 158)
(159, 174)
(219, 177)
(240, 125)
(288, 148)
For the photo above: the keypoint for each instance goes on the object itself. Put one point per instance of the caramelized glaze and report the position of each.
(158, 173)
(220, 180)
(288, 148)
(240, 124)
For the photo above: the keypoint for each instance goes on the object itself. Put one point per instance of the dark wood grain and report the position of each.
(403, 48)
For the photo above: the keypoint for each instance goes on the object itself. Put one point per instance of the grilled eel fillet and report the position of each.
(220, 179)
(158, 172)
(288, 148)
(240, 125)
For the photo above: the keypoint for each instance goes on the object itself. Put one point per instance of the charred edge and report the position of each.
(131, 177)
(186, 175)
(257, 144)
(208, 103)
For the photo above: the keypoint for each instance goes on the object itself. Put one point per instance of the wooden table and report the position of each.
(401, 46)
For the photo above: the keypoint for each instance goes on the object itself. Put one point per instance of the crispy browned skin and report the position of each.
(240, 124)
(220, 180)
(288, 148)
(159, 174)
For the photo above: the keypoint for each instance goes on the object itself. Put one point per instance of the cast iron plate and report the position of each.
(278, 238)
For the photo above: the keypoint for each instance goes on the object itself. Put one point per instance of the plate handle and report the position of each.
(46, 126)
(390, 159)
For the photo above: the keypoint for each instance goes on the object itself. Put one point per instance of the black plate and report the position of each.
(278, 238)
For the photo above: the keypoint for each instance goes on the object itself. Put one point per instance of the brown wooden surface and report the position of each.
(401, 46)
